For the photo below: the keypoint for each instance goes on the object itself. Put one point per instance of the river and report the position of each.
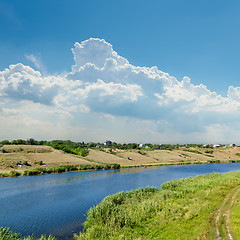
(56, 204)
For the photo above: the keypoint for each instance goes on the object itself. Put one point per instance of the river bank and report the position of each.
(25, 160)
(202, 207)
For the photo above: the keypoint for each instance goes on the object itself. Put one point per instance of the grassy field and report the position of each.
(22, 158)
(203, 207)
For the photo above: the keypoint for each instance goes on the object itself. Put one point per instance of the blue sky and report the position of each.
(53, 90)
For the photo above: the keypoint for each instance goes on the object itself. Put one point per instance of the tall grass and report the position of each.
(7, 234)
(181, 209)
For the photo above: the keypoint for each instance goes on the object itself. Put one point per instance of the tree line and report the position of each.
(80, 148)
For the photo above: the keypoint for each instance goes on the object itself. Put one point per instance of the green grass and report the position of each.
(59, 169)
(181, 209)
(7, 234)
(234, 218)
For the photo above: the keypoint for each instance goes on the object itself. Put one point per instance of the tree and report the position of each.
(5, 142)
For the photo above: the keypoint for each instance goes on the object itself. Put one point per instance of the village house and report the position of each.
(108, 142)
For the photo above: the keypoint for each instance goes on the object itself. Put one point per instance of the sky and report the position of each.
(129, 71)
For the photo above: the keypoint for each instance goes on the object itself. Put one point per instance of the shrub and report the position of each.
(234, 161)
(15, 174)
(213, 161)
(26, 163)
(115, 166)
(193, 151)
(31, 172)
(209, 151)
(142, 153)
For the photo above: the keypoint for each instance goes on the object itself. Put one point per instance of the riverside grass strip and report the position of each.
(181, 209)
(59, 169)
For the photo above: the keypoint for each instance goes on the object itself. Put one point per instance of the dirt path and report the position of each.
(222, 215)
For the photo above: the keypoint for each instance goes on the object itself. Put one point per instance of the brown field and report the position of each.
(12, 157)
(158, 157)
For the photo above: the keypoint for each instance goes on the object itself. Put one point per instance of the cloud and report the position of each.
(21, 82)
(105, 93)
(94, 51)
(36, 60)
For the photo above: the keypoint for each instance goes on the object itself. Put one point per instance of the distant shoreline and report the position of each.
(27, 160)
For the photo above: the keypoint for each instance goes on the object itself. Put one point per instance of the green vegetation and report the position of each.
(192, 150)
(184, 155)
(7, 234)
(213, 161)
(238, 154)
(234, 219)
(80, 148)
(142, 153)
(209, 151)
(60, 169)
(26, 163)
(69, 147)
(234, 161)
(181, 209)
(40, 163)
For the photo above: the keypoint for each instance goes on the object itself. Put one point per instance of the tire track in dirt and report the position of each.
(228, 211)
(223, 212)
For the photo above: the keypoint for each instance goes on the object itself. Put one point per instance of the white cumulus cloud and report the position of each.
(104, 92)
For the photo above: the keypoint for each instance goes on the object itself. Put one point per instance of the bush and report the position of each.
(234, 161)
(193, 151)
(209, 151)
(116, 166)
(26, 163)
(15, 174)
(213, 161)
(31, 172)
(142, 153)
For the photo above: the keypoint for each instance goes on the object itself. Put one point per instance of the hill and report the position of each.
(29, 157)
